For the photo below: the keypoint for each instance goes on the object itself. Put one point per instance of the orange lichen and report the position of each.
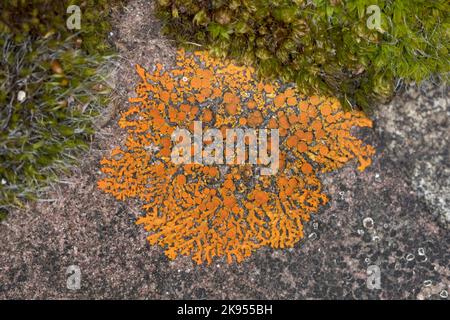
(208, 211)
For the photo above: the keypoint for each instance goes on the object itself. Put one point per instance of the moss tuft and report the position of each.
(325, 46)
(52, 86)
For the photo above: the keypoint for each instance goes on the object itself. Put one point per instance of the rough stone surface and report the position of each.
(417, 130)
(392, 216)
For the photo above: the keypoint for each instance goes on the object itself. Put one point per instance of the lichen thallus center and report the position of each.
(240, 146)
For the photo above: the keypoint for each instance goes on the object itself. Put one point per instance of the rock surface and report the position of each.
(392, 218)
(416, 128)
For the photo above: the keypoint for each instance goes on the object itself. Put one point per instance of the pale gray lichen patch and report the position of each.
(416, 127)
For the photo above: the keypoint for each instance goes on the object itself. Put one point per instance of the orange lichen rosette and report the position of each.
(207, 211)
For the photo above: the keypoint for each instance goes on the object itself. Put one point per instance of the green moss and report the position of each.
(325, 46)
(52, 86)
(41, 18)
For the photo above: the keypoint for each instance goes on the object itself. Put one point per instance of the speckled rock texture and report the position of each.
(392, 217)
(417, 130)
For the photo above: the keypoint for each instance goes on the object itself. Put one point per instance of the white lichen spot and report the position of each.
(368, 223)
(21, 96)
(427, 283)
(410, 257)
(312, 236)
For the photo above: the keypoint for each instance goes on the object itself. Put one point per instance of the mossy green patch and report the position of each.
(52, 85)
(333, 47)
